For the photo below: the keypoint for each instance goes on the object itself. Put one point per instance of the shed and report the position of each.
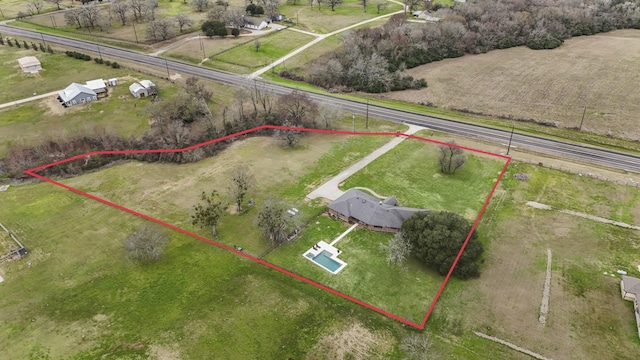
(256, 23)
(76, 94)
(143, 88)
(98, 86)
(30, 64)
(112, 82)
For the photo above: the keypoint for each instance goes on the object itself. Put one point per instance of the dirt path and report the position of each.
(537, 205)
(544, 306)
(22, 101)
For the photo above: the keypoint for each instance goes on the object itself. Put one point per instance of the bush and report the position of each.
(107, 62)
(115, 65)
(98, 60)
(147, 244)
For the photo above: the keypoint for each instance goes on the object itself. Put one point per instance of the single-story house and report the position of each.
(143, 88)
(76, 94)
(630, 288)
(30, 64)
(424, 15)
(256, 23)
(98, 86)
(356, 206)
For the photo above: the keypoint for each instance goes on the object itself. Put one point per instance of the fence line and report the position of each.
(12, 253)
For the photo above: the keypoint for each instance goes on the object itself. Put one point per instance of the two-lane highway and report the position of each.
(588, 154)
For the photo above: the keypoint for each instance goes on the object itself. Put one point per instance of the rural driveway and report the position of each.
(330, 190)
(22, 101)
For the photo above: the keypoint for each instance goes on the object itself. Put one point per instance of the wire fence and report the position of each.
(629, 182)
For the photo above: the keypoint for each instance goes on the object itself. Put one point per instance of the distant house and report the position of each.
(256, 23)
(143, 88)
(98, 86)
(630, 288)
(356, 206)
(30, 64)
(76, 94)
(277, 17)
(424, 15)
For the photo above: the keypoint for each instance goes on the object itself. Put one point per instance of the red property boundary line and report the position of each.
(32, 172)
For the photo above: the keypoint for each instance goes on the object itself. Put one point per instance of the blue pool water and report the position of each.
(326, 261)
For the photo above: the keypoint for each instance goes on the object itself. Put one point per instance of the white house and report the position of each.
(256, 23)
(76, 94)
(30, 64)
(143, 88)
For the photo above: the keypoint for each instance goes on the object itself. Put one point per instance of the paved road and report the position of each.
(588, 154)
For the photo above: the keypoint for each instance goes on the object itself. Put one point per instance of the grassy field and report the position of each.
(191, 51)
(272, 47)
(325, 21)
(410, 172)
(548, 85)
(10, 8)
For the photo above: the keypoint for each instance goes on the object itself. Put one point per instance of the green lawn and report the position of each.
(410, 172)
(272, 47)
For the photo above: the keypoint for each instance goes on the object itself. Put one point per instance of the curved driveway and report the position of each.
(588, 154)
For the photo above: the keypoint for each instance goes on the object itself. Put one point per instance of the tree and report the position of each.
(410, 5)
(271, 7)
(183, 20)
(73, 17)
(364, 4)
(240, 181)
(160, 29)
(137, 9)
(397, 249)
(234, 17)
(216, 13)
(146, 244)
(437, 238)
(200, 5)
(150, 7)
(451, 158)
(257, 44)
(298, 109)
(89, 16)
(24, 43)
(208, 214)
(121, 9)
(56, 3)
(276, 224)
(418, 346)
(382, 5)
(290, 138)
(35, 6)
(333, 3)
(213, 28)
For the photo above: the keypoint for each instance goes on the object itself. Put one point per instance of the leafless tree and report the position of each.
(298, 108)
(333, 3)
(234, 17)
(270, 7)
(410, 5)
(418, 346)
(160, 29)
(35, 6)
(290, 138)
(150, 7)
(121, 9)
(73, 17)
(197, 89)
(90, 15)
(137, 9)
(397, 250)
(256, 44)
(327, 114)
(56, 3)
(216, 13)
(276, 224)
(146, 244)
(183, 20)
(240, 181)
(201, 5)
(364, 4)
(320, 2)
(451, 157)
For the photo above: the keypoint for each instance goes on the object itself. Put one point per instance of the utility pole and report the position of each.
(167, 65)
(42, 36)
(354, 122)
(134, 30)
(204, 56)
(366, 124)
(99, 53)
(582, 121)
(510, 138)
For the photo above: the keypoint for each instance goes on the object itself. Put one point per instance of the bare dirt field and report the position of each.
(596, 72)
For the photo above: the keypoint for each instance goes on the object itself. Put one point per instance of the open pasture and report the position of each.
(554, 86)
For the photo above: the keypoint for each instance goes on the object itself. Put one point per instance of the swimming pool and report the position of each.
(325, 256)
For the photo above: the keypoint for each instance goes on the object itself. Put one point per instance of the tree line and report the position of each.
(180, 121)
(373, 59)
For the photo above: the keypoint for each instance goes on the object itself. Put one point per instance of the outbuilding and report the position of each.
(630, 288)
(30, 64)
(98, 86)
(143, 88)
(76, 94)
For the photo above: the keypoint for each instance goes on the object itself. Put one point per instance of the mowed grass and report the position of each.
(83, 298)
(325, 21)
(546, 86)
(411, 173)
(587, 315)
(191, 51)
(367, 277)
(272, 47)
(119, 113)
(55, 74)
(11, 8)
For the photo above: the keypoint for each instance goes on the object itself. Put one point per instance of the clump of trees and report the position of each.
(436, 239)
(276, 224)
(147, 244)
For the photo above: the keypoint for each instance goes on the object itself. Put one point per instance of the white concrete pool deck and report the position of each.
(323, 246)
